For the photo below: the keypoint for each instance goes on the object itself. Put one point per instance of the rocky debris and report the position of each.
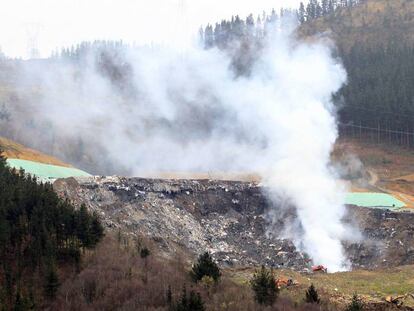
(399, 300)
(387, 238)
(228, 219)
(284, 282)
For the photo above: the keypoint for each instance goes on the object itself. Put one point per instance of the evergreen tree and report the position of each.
(51, 282)
(208, 37)
(205, 266)
(264, 286)
(325, 7)
(302, 13)
(193, 302)
(356, 304)
(35, 226)
(312, 295)
(96, 231)
(169, 295)
(144, 253)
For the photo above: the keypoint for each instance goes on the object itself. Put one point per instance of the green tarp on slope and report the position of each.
(371, 199)
(46, 171)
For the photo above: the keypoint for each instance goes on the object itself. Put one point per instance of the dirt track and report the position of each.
(388, 169)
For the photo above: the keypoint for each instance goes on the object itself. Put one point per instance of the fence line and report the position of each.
(377, 134)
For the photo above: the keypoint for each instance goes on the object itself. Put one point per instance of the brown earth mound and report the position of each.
(15, 150)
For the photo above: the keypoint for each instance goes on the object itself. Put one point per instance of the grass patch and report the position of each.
(371, 285)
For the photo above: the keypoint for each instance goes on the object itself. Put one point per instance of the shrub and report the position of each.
(169, 295)
(207, 282)
(264, 286)
(51, 284)
(312, 295)
(192, 302)
(205, 266)
(144, 253)
(356, 304)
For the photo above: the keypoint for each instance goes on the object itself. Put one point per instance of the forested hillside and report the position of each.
(41, 239)
(375, 42)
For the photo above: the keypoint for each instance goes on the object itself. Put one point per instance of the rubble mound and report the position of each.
(228, 218)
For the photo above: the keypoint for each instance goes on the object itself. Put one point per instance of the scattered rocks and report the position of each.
(227, 218)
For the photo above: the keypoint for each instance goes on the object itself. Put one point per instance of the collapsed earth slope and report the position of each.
(230, 219)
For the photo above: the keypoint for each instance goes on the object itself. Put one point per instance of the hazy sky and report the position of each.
(48, 24)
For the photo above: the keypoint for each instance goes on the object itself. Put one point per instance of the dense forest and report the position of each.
(379, 97)
(373, 43)
(41, 238)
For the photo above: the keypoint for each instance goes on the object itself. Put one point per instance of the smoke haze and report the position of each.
(48, 24)
(175, 110)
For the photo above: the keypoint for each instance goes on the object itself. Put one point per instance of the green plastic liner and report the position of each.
(46, 172)
(372, 199)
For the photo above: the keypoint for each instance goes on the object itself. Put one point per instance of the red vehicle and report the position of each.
(319, 268)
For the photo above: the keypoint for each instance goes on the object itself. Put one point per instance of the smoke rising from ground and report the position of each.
(174, 110)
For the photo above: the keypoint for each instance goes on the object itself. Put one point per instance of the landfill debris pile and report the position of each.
(228, 219)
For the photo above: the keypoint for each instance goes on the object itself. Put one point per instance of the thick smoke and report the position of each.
(174, 110)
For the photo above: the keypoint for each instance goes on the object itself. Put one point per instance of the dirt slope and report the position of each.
(15, 150)
(389, 169)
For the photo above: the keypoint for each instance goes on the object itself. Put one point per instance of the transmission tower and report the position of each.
(183, 31)
(32, 33)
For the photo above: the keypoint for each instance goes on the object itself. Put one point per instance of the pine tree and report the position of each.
(23, 303)
(301, 13)
(51, 282)
(193, 302)
(144, 253)
(325, 7)
(205, 266)
(19, 304)
(208, 37)
(310, 11)
(183, 303)
(169, 295)
(201, 35)
(84, 227)
(356, 304)
(96, 231)
(264, 286)
(312, 295)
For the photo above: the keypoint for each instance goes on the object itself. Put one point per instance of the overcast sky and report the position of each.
(48, 24)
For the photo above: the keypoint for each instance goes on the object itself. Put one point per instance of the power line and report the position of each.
(404, 115)
(377, 129)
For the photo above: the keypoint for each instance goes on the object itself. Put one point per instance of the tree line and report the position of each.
(39, 234)
(316, 9)
(377, 102)
(379, 96)
(223, 33)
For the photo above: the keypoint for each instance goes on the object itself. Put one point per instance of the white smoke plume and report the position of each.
(186, 111)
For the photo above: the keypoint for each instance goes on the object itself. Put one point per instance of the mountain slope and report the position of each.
(371, 22)
(14, 150)
(375, 43)
(45, 167)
